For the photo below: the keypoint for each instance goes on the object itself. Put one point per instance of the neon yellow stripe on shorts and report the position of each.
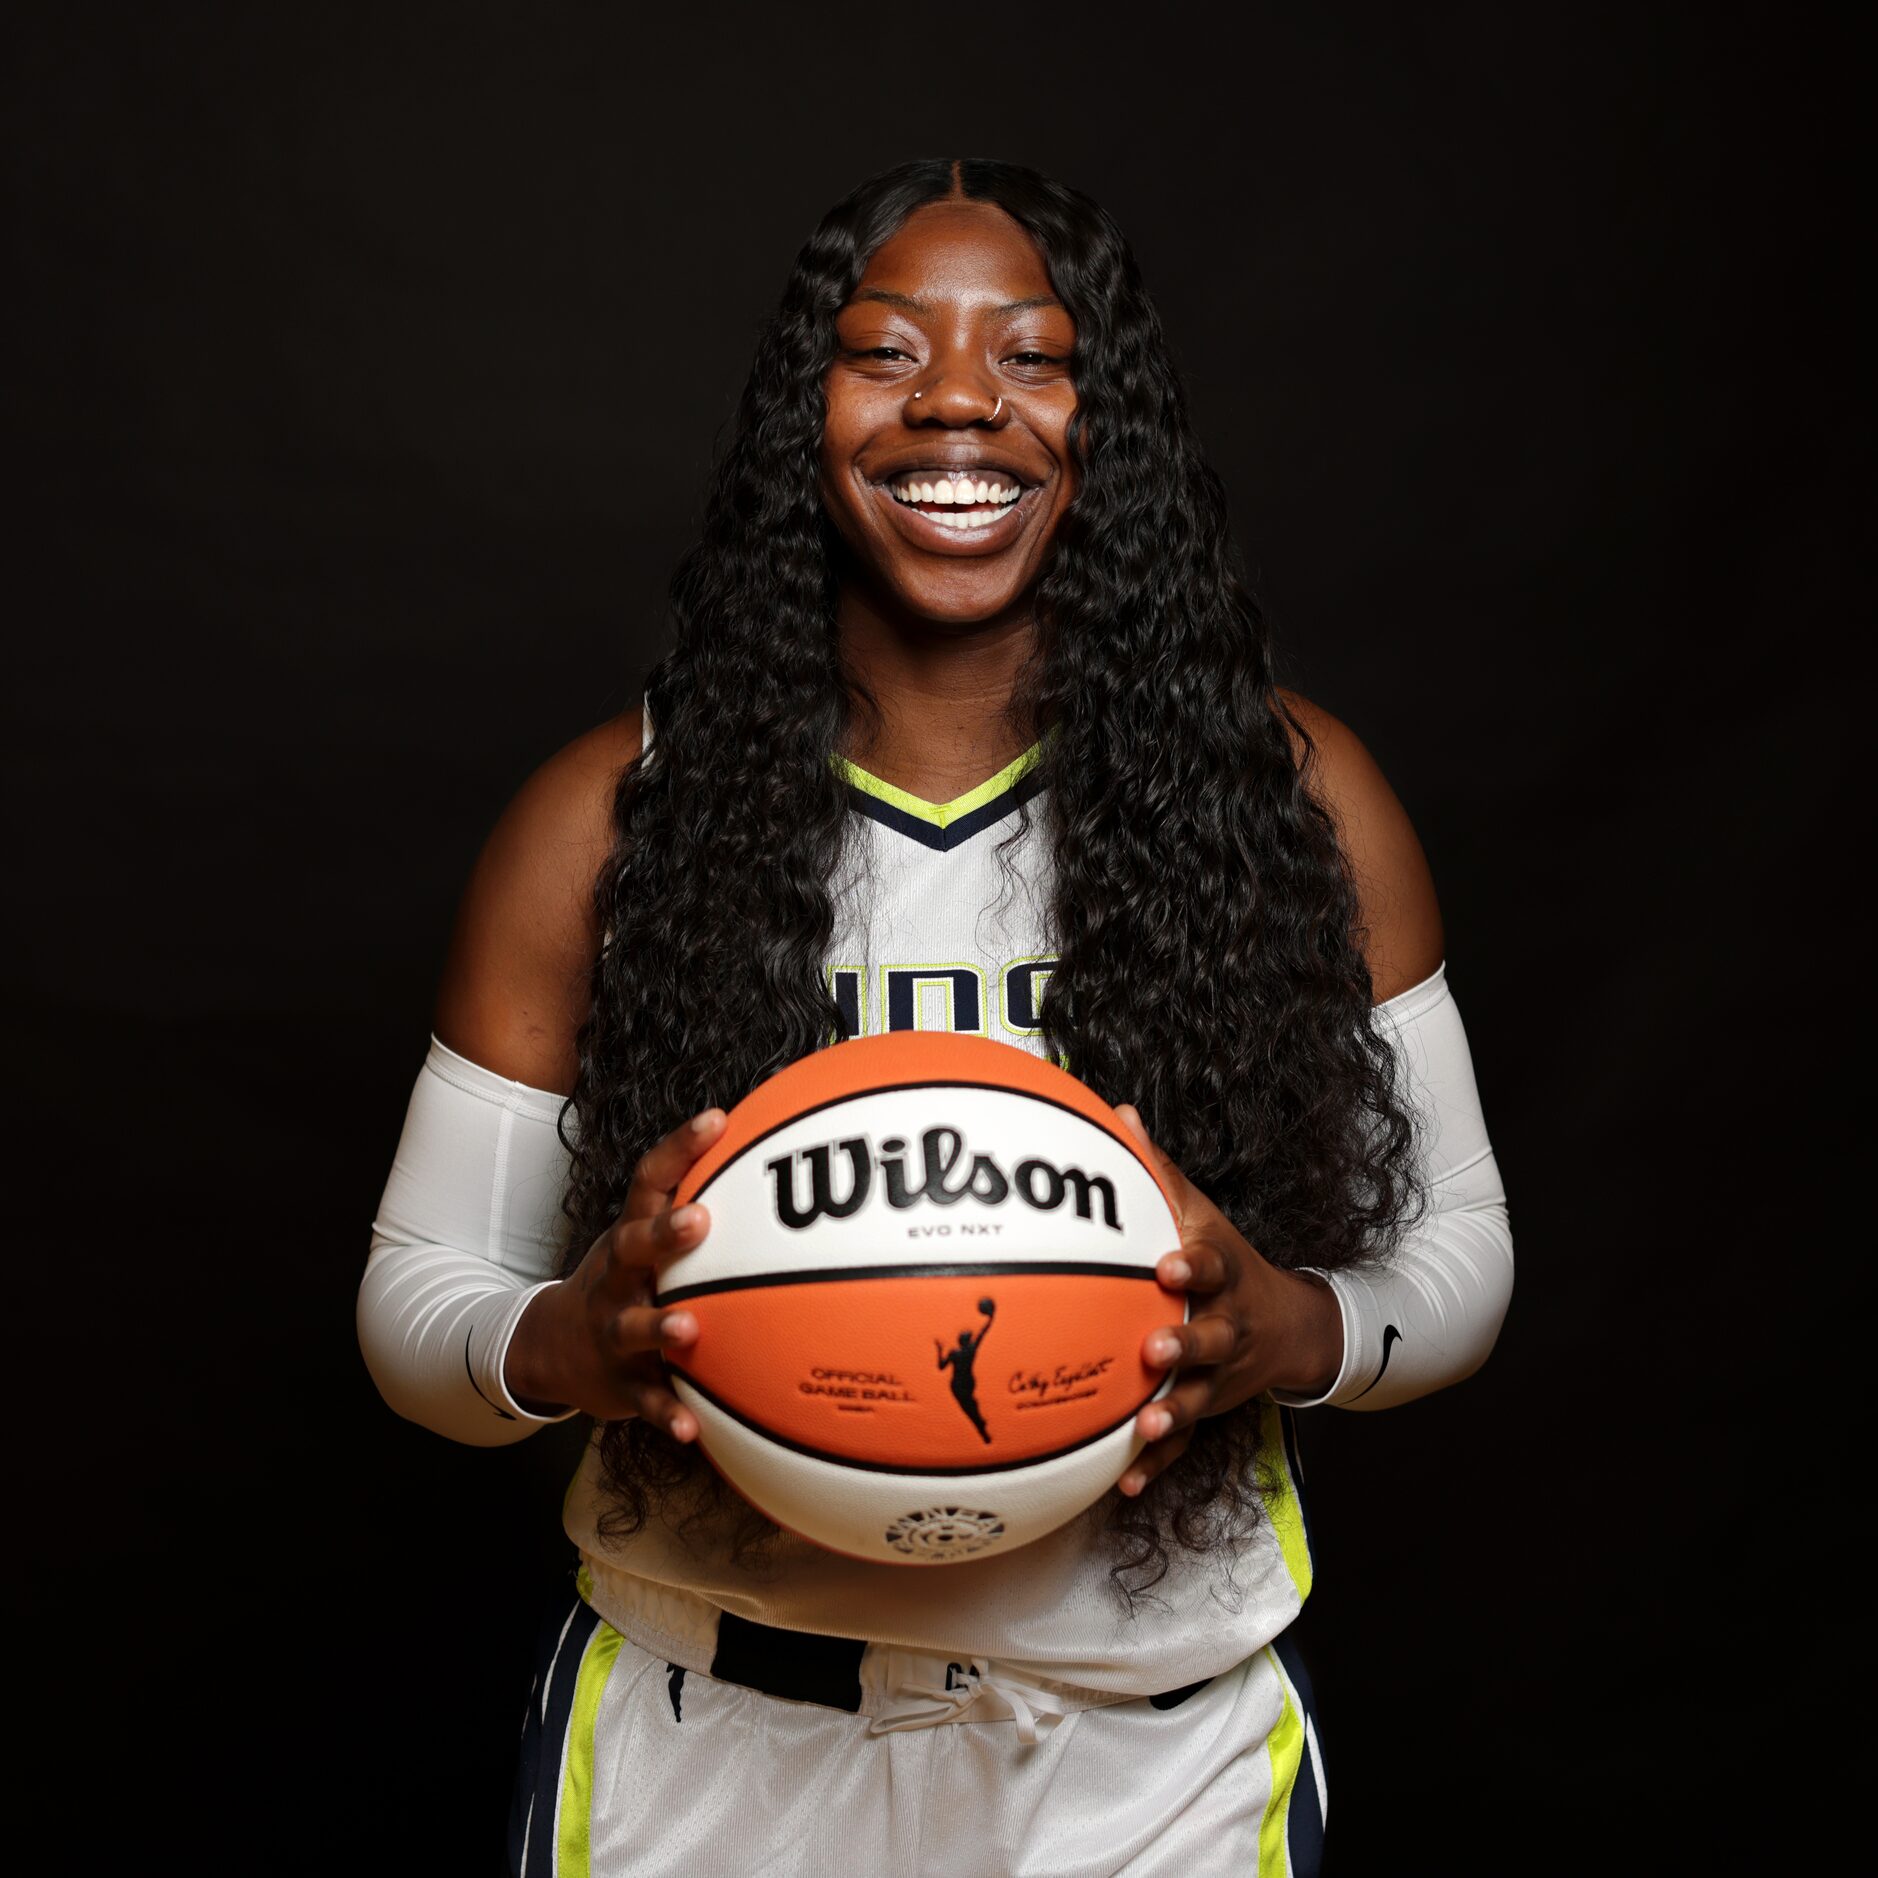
(573, 1823)
(1285, 1745)
(1286, 1515)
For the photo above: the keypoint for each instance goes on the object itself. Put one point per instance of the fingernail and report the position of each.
(679, 1327)
(684, 1428)
(1131, 1484)
(1163, 1349)
(1155, 1423)
(684, 1218)
(1175, 1271)
(700, 1123)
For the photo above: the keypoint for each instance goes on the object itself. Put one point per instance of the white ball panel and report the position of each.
(853, 1511)
(748, 1239)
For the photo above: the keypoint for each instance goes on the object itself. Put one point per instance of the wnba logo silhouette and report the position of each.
(959, 1360)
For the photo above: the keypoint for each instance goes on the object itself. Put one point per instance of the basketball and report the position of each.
(922, 1298)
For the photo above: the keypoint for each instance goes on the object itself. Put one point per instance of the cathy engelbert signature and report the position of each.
(1067, 1382)
(1033, 1388)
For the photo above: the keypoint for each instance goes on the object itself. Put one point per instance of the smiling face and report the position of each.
(945, 461)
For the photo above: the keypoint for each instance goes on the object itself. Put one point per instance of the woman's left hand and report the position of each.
(1251, 1327)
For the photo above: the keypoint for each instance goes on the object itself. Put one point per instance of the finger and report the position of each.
(1179, 1408)
(666, 1162)
(1130, 1117)
(1171, 1177)
(1131, 1120)
(678, 1229)
(638, 1243)
(664, 1411)
(646, 1328)
(1210, 1338)
(1153, 1460)
(1197, 1267)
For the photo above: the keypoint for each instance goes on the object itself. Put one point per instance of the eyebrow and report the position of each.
(921, 306)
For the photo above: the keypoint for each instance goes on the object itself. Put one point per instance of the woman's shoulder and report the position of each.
(515, 985)
(1401, 917)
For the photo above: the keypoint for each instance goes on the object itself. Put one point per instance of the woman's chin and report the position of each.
(957, 598)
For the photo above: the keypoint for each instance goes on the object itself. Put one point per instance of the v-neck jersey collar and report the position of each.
(943, 825)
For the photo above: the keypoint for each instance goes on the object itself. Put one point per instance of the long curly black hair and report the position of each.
(1209, 962)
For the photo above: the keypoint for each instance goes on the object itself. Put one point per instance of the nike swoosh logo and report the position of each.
(471, 1374)
(1390, 1338)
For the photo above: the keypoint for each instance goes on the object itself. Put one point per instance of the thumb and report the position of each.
(1171, 1177)
(1130, 1118)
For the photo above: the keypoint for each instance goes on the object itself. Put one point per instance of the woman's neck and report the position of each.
(944, 693)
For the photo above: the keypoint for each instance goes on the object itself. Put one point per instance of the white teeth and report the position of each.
(962, 491)
(968, 519)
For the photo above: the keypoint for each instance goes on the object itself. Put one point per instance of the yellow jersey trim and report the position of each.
(938, 814)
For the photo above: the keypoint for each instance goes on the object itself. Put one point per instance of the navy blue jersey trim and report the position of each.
(1304, 1819)
(544, 1736)
(1288, 1432)
(954, 834)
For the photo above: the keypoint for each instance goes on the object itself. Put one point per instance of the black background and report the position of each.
(368, 363)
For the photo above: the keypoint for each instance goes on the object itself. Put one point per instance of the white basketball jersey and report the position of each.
(943, 925)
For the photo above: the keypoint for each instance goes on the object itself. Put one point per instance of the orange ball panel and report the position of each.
(864, 1064)
(851, 1368)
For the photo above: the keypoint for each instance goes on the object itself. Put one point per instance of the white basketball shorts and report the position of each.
(892, 1765)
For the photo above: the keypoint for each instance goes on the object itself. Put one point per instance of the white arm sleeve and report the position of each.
(466, 1234)
(1432, 1314)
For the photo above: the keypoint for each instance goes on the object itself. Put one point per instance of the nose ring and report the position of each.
(995, 409)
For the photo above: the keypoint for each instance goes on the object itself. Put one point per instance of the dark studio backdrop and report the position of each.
(368, 366)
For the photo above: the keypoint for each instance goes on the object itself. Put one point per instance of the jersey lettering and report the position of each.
(1024, 980)
(961, 988)
(942, 997)
(848, 986)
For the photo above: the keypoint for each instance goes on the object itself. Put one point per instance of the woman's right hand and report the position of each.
(594, 1341)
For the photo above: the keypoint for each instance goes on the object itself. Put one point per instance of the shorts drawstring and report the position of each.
(916, 1689)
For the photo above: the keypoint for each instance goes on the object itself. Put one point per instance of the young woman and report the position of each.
(967, 714)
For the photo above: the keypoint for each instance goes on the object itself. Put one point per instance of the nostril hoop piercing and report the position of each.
(995, 409)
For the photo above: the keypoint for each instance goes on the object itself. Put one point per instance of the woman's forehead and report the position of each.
(956, 251)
